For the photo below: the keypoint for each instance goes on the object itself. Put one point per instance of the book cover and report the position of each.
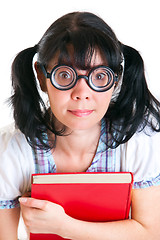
(95, 197)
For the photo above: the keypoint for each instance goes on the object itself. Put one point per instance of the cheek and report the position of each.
(58, 99)
(104, 99)
(54, 94)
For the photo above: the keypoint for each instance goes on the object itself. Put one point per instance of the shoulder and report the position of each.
(140, 155)
(10, 136)
(13, 143)
(147, 140)
(16, 162)
(144, 137)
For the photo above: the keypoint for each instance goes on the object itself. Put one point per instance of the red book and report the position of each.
(95, 197)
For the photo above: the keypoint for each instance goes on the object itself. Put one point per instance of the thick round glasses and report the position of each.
(64, 77)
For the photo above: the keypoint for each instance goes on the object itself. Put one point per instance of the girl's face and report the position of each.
(79, 108)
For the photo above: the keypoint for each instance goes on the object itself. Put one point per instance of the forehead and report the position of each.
(88, 60)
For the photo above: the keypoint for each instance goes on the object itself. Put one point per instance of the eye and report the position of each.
(64, 75)
(100, 76)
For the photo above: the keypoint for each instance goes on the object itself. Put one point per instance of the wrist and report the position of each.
(66, 227)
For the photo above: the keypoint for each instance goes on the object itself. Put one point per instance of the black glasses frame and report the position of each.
(86, 77)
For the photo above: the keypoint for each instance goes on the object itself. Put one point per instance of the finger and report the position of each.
(33, 203)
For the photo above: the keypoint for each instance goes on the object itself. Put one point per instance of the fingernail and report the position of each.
(22, 200)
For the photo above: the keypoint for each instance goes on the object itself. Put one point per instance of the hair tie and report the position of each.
(119, 84)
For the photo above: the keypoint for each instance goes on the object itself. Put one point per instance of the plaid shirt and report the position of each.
(104, 160)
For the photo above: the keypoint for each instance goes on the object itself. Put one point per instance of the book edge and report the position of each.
(75, 178)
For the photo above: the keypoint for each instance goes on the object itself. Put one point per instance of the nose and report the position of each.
(81, 91)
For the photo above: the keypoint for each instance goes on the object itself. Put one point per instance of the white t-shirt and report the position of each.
(140, 155)
(16, 163)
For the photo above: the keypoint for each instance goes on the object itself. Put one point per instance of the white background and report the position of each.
(22, 23)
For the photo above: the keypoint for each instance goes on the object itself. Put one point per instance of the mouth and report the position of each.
(81, 113)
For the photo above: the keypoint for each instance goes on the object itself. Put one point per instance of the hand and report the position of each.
(42, 216)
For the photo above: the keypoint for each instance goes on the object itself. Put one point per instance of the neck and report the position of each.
(79, 141)
(75, 152)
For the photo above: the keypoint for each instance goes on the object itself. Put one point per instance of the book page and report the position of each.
(83, 178)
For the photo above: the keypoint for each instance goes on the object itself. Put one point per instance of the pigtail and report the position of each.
(26, 101)
(135, 106)
(30, 113)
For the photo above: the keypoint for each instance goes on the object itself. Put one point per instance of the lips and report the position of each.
(81, 113)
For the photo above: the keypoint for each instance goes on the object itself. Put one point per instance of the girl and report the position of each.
(101, 117)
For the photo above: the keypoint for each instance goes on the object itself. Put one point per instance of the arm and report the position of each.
(143, 225)
(9, 223)
(51, 218)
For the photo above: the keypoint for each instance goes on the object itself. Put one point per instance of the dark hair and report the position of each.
(133, 109)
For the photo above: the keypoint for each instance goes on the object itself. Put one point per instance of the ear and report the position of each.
(41, 77)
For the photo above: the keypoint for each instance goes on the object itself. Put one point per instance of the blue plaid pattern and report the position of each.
(8, 204)
(104, 161)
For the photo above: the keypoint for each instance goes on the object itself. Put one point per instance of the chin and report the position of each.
(81, 125)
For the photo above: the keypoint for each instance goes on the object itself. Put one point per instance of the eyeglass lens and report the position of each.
(63, 75)
(101, 77)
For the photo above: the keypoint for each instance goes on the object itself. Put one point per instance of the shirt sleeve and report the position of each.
(16, 167)
(141, 156)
